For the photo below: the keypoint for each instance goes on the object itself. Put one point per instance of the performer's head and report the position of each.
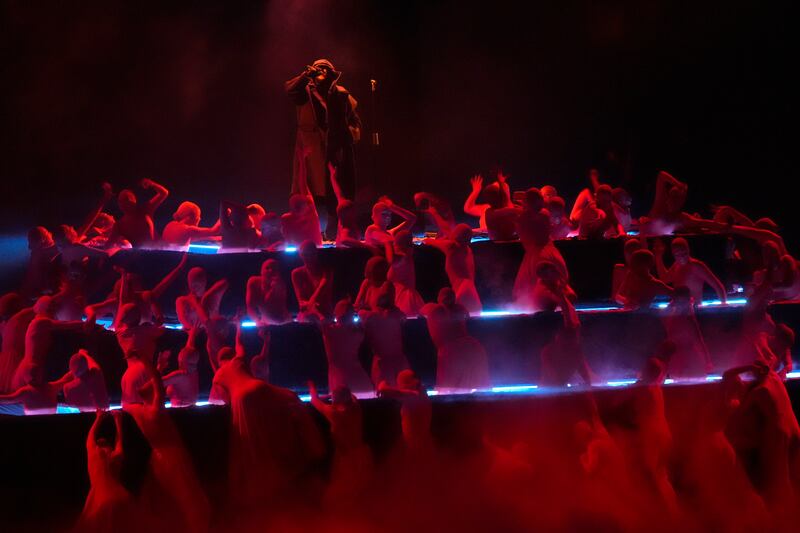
(446, 297)
(462, 234)
(344, 311)
(642, 262)
(270, 268)
(324, 70)
(381, 215)
(197, 281)
(376, 270)
(188, 213)
(299, 205)
(680, 250)
(308, 252)
(126, 200)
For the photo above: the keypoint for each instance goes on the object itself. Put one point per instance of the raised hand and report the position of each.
(477, 182)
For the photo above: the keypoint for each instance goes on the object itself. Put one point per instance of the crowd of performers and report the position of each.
(274, 439)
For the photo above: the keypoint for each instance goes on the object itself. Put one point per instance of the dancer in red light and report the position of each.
(182, 385)
(173, 490)
(462, 363)
(272, 439)
(184, 228)
(352, 459)
(563, 357)
(438, 210)
(129, 289)
(460, 266)
(266, 296)
(14, 321)
(327, 128)
(348, 231)
(690, 358)
(415, 410)
(37, 396)
(375, 274)
(134, 335)
(687, 271)
(41, 276)
(402, 274)
(379, 234)
(87, 390)
(765, 434)
(39, 339)
(383, 326)
(621, 269)
(598, 219)
(499, 214)
(550, 288)
(534, 233)
(200, 309)
(136, 223)
(586, 196)
(640, 288)
(236, 227)
(301, 222)
(560, 225)
(313, 285)
(343, 338)
(646, 440)
(117, 465)
(775, 349)
(259, 363)
(202, 302)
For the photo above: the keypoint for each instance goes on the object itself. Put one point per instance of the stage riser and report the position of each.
(496, 264)
(44, 458)
(615, 344)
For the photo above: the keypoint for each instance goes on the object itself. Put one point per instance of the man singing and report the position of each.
(327, 128)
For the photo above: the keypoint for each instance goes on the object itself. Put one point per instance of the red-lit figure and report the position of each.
(182, 385)
(266, 296)
(39, 339)
(402, 274)
(37, 396)
(185, 226)
(136, 223)
(686, 271)
(87, 391)
(343, 338)
(462, 363)
(375, 273)
(327, 128)
(563, 358)
(534, 232)
(352, 459)
(691, 358)
(14, 321)
(383, 326)
(460, 266)
(415, 410)
(639, 287)
(313, 285)
(301, 222)
(379, 234)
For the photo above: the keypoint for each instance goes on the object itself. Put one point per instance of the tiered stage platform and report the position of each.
(46, 458)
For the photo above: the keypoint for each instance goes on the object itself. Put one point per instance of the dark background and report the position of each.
(191, 94)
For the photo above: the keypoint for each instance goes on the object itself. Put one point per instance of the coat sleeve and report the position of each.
(296, 89)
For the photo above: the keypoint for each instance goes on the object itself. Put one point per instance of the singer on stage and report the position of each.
(327, 128)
